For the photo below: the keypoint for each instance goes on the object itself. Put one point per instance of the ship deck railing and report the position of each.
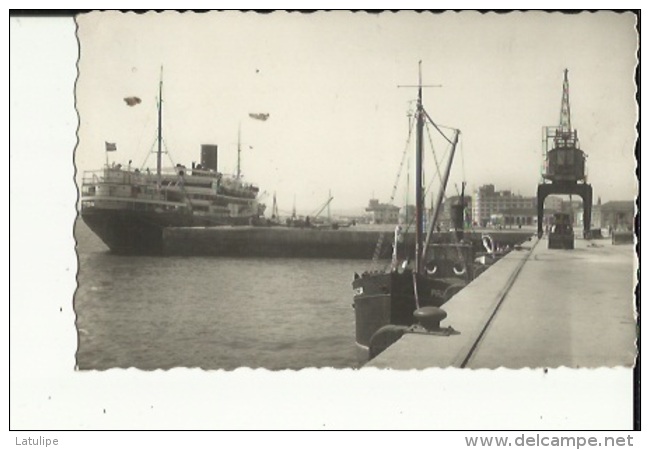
(126, 203)
(120, 175)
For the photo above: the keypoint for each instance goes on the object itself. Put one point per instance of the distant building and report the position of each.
(520, 216)
(619, 215)
(596, 219)
(382, 212)
(492, 207)
(504, 208)
(553, 203)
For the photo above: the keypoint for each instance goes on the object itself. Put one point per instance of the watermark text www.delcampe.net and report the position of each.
(549, 441)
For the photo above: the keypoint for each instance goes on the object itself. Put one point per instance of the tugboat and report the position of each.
(387, 302)
(128, 208)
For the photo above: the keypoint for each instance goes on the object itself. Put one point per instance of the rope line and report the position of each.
(380, 241)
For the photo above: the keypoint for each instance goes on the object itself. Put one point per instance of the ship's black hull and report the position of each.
(133, 232)
(389, 299)
(129, 232)
(345, 243)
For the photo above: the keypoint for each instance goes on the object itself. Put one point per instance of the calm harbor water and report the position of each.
(211, 313)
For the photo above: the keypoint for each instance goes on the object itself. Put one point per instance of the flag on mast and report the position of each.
(110, 146)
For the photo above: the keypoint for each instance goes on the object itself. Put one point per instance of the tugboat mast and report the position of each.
(419, 191)
(419, 201)
(420, 244)
(159, 153)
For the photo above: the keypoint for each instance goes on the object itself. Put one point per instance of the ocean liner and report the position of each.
(128, 208)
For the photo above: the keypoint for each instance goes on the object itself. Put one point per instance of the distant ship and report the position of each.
(128, 208)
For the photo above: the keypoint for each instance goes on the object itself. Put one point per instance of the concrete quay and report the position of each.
(536, 308)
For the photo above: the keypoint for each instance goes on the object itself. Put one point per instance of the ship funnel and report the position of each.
(209, 158)
(457, 219)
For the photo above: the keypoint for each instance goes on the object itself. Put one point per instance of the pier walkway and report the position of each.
(536, 308)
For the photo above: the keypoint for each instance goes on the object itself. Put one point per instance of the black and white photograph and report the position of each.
(349, 194)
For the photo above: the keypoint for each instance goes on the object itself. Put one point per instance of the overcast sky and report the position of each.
(337, 119)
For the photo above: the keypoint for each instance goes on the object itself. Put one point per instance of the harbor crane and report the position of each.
(564, 164)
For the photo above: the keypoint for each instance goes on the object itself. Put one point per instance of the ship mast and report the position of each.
(275, 214)
(238, 151)
(159, 153)
(419, 200)
(420, 244)
(419, 191)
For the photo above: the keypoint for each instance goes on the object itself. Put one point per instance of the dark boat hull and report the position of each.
(133, 232)
(290, 242)
(140, 232)
(173, 232)
(389, 299)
